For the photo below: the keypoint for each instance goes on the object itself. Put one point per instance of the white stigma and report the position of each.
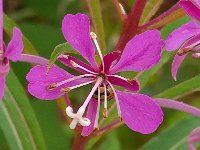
(94, 37)
(77, 117)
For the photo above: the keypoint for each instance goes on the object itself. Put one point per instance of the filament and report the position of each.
(116, 98)
(94, 37)
(74, 64)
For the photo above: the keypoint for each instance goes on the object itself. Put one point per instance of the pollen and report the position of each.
(52, 86)
(73, 63)
(65, 90)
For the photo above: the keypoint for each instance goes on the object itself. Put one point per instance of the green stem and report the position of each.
(95, 12)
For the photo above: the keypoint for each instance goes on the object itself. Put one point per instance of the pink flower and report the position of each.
(11, 52)
(139, 112)
(194, 137)
(191, 7)
(186, 39)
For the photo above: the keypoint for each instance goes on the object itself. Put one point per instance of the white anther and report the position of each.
(196, 55)
(93, 35)
(122, 9)
(73, 63)
(63, 56)
(1, 55)
(77, 117)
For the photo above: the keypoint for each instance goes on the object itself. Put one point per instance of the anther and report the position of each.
(105, 112)
(63, 56)
(93, 35)
(52, 86)
(183, 51)
(73, 63)
(65, 90)
(196, 55)
(122, 9)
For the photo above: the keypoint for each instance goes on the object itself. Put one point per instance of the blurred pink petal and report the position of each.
(180, 35)
(139, 112)
(76, 30)
(2, 86)
(176, 64)
(15, 46)
(194, 137)
(91, 114)
(131, 85)
(141, 52)
(191, 7)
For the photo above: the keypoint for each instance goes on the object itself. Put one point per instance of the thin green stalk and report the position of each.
(95, 12)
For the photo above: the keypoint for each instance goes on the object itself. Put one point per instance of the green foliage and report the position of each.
(18, 120)
(58, 50)
(175, 137)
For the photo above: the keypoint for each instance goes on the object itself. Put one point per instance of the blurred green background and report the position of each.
(40, 21)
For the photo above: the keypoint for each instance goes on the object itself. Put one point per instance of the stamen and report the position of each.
(74, 64)
(98, 82)
(183, 51)
(117, 76)
(122, 9)
(80, 85)
(105, 110)
(98, 108)
(74, 78)
(116, 99)
(94, 37)
(65, 90)
(52, 86)
(78, 117)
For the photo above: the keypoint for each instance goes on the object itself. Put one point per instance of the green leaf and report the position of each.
(8, 27)
(18, 121)
(181, 89)
(95, 9)
(151, 7)
(175, 137)
(59, 49)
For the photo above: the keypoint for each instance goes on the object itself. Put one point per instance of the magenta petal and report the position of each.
(110, 60)
(39, 82)
(76, 30)
(66, 61)
(180, 35)
(2, 86)
(131, 85)
(91, 114)
(15, 46)
(139, 112)
(176, 64)
(141, 53)
(191, 7)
